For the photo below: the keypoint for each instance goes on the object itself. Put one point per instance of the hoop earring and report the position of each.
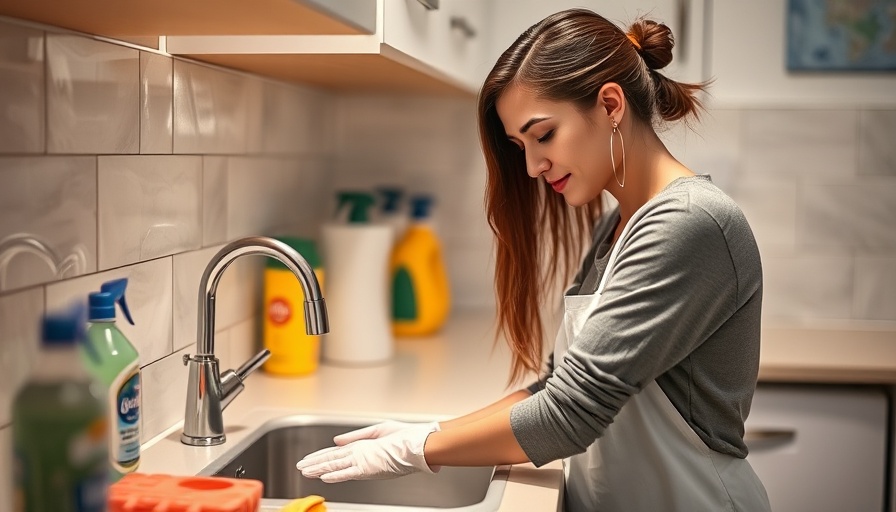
(613, 158)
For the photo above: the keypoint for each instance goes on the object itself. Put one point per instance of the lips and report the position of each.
(560, 184)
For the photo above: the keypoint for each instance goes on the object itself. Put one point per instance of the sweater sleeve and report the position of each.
(672, 286)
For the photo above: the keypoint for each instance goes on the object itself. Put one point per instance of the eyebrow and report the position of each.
(531, 122)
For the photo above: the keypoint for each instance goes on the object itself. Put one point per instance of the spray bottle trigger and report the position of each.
(117, 288)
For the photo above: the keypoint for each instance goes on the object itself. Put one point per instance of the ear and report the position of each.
(611, 100)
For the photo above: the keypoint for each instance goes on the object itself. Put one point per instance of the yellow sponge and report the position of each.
(311, 503)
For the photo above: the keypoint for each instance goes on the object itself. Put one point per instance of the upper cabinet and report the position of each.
(433, 46)
(130, 19)
(417, 46)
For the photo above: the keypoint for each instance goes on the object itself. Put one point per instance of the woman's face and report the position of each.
(566, 147)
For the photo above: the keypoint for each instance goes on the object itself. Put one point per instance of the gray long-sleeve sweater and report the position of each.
(681, 306)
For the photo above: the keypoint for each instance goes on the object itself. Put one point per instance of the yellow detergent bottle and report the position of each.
(293, 352)
(421, 297)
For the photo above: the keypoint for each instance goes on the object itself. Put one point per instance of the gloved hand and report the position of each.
(397, 454)
(379, 430)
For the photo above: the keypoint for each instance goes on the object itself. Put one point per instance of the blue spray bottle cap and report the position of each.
(102, 303)
(64, 327)
(420, 206)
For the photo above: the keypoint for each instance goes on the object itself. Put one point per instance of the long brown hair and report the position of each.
(566, 57)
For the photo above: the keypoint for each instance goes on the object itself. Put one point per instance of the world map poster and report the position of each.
(834, 35)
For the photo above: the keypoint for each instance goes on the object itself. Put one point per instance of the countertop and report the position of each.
(841, 355)
(461, 370)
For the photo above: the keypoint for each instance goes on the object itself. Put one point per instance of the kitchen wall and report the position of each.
(128, 163)
(818, 186)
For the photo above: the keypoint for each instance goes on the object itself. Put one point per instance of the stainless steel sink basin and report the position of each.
(270, 453)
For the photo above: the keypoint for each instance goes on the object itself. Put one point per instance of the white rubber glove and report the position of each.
(397, 454)
(380, 430)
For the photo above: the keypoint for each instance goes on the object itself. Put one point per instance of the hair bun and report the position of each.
(653, 41)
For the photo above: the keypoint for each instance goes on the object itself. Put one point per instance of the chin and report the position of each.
(576, 199)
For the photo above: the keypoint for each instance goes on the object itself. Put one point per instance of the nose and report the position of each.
(536, 165)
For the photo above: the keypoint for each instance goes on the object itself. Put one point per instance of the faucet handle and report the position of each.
(253, 364)
(232, 381)
(186, 359)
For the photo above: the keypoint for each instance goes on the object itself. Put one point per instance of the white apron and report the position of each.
(649, 459)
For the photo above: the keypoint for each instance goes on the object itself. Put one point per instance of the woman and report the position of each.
(653, 371)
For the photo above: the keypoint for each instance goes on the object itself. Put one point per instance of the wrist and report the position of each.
(435, 468)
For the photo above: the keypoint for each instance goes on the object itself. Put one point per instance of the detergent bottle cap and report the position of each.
(358, 204)
(391, 198)
(420, 206)
(102, 303)
(304, 246)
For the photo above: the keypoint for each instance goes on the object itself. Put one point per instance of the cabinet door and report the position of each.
(819, 449)
(448, 38)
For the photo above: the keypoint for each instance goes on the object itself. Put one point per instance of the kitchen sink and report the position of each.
(269, 454)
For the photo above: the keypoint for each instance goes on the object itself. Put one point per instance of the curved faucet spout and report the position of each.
(315, 309)
(209, 390)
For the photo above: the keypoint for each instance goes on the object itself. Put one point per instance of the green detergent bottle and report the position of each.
(60, 427)
(115, 364)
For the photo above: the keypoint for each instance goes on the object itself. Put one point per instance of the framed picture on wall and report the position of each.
(841, 35)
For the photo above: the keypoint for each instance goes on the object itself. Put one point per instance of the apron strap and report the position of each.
(615, 252)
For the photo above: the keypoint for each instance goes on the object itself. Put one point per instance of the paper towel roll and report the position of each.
(356, 260)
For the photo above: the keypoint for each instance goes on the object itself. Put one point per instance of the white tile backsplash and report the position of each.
(877, 153)
(289, 189)
(210, 110)
(471, 271)
(149, 206)
(156, 98)
(807, 287)
(875, 292)
(407, 135)
(147, 217)
(20, 335)
(214, 200)
(770, 208)
(164, 393)
(237, 298)
(53, 200)
(244, 342)
(814, 145)
(288, 120)
(149, 298)
(22, 101)
(713, 146)
(93, 96)
(857, 215)
(188, 268)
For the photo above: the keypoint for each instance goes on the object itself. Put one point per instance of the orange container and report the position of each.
(138, 492)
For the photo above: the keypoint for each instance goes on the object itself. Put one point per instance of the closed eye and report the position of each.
(546, 137)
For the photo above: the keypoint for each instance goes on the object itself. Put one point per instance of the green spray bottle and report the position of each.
(60, 426)
(115, 364)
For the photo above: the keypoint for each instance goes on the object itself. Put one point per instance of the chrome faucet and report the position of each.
(209, 391)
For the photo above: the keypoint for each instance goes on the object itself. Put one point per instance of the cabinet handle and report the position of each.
(461, 23)
(432, 5)
(769, 435)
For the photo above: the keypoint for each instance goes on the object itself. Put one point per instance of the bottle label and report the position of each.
(76, 479)
(279, 311)
(125, 412)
